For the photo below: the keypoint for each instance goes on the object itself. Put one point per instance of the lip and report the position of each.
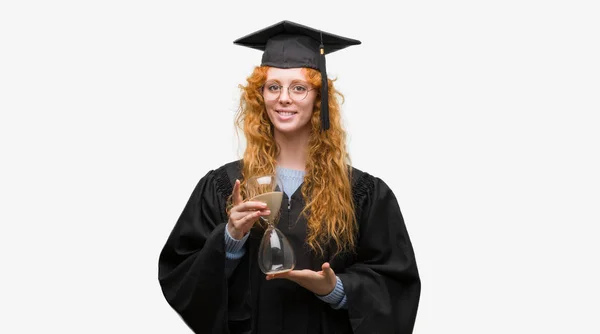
(279, 111)
(285, 117)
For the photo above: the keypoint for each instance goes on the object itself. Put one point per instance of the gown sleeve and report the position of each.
(192, 264)
(383, 285)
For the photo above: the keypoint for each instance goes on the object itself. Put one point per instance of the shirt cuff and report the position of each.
(234, 249)
(337, 297)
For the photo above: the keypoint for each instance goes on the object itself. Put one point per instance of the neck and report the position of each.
(293, 150)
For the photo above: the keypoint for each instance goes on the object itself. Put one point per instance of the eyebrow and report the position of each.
(293, 81)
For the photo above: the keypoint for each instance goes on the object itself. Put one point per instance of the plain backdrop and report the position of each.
(482, 116)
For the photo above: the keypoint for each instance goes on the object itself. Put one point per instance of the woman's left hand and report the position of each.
(320, 283)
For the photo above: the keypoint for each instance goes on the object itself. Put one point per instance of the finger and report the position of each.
(241, 210)
(298, 275)
(251, 206)
(250, 218)
(248, 221)
(244, 225)
(239, 215)
(237, 197)
(288, 275)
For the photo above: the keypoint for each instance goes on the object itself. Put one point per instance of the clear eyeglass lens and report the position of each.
(296, 92)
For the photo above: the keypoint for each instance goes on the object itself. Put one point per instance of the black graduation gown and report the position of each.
(381, 280)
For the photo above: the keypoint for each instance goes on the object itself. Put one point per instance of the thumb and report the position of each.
(327, 270)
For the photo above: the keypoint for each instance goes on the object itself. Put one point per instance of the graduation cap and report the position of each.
(290, 45)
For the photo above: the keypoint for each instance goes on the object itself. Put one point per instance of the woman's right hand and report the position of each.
(243, 214)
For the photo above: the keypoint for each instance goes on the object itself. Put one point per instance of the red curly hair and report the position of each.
(327, 183)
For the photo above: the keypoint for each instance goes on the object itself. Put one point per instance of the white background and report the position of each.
(482, 116)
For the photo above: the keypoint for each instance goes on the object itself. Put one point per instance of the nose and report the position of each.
(284, 97)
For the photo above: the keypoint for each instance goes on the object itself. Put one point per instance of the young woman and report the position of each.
(355, 266)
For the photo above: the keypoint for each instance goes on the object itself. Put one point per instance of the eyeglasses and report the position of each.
(297, 91)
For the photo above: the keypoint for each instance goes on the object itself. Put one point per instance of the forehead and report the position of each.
(285, 74)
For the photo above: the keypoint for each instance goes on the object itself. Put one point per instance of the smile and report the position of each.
(285, 113)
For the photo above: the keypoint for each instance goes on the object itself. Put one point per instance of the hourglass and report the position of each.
(275, 254)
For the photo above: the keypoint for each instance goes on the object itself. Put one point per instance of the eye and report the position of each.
(299, 88)
(273, 88)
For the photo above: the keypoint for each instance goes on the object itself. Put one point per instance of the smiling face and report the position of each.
(289, 109)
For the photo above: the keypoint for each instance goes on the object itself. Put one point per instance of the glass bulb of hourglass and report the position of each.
(275, 254)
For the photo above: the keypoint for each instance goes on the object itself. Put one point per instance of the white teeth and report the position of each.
(286, 113)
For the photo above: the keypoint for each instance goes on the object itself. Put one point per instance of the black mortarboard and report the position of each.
(288, 45)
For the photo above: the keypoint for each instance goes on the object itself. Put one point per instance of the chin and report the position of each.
(285, 128)
(289, 129)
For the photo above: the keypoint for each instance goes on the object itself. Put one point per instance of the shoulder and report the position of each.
(230, 170)
(371, 193)
(223, 177)
(365, 184)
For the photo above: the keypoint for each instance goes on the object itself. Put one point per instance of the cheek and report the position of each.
(308, 108)
(269, 105)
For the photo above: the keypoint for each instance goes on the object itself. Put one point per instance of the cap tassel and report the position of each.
(324, 90)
